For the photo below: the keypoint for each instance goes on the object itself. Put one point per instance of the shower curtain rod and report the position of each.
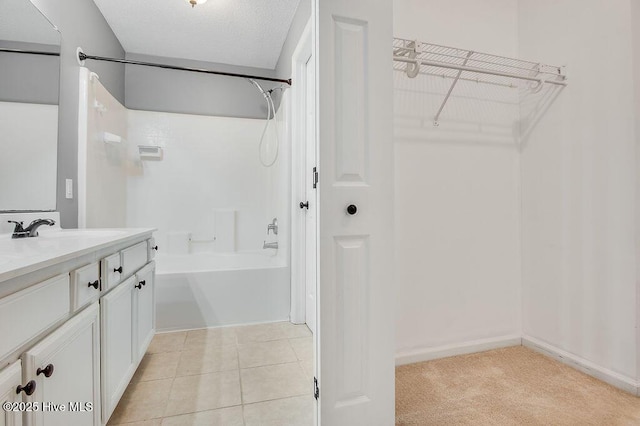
(31, 52)
(82, 56)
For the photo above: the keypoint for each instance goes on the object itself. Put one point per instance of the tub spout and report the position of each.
(267, 245)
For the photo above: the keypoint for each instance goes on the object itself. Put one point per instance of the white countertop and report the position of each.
(24, 255)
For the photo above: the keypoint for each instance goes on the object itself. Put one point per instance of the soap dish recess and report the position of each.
(112, 138)
(150, 152)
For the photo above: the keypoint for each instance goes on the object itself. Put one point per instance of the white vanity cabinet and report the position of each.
(10, 379)
(66, 369)
(144, 309)
(117, 340)
(74, 326)
(128, 324)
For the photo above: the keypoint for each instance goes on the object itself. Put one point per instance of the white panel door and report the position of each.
(356, 291)
(66, 369)
(117, 356)
(10, 379)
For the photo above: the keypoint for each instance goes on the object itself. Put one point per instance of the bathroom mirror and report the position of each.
(29, 91)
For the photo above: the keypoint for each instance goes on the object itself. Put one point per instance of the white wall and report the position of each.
(29, 146)
(579, 185)
(456, 186)
(209, 163)
(102, 190)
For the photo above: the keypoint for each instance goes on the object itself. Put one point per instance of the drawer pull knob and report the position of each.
(143, 282)
(138, 286)
(47, 371)
(155, 248)
(28, 389)
(118, 270)
(94, 284)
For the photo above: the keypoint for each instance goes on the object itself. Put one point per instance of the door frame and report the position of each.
(301, 55)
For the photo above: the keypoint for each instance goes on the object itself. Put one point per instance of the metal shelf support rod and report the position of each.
(477, 70)
(453, 85)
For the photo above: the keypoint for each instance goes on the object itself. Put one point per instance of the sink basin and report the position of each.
(82, 233)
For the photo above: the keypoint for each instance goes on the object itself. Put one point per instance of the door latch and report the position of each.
(316, 388)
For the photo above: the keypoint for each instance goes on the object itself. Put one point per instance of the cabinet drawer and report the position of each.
(27, 313)
(133, 258)
(153, 248)
(85, 285)
(111, 271)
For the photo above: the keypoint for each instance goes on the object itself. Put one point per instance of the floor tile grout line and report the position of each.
(297, 361)
(281, 398)
(237, 345)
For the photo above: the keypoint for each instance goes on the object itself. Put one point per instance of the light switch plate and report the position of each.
(69, 189)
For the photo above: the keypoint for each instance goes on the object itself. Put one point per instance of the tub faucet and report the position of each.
(267, 245)
(31, 230)
(273, 226)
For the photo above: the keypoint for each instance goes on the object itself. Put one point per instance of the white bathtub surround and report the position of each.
(102, 167)
(22, 187)
(209, 173)
(215, 289)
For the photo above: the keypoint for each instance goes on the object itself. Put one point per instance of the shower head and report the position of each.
(255, 83)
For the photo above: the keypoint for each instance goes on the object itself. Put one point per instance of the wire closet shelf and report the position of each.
(414, 57)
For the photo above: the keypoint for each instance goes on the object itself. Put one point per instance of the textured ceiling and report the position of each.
(237, 32)
(21, 21)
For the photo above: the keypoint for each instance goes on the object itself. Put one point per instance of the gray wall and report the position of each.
(80, 24)
(29, 78)
(302, 16)
(156, 89)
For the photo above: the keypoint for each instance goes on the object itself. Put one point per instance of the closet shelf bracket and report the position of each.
(453, 85)
(413, 57)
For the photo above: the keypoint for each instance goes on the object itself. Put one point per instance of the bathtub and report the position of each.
(217, 289)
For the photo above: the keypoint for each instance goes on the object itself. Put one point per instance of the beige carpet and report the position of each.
(512, 386)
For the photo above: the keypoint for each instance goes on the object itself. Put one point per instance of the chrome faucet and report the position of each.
(267, 245)
(31, 230)
(273, 226)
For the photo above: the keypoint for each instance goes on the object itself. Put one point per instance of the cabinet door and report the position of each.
(117, 358)
(10, 379)
(145, 314)
(70, 357)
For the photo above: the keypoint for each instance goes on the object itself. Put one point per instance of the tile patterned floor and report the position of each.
(245, 376)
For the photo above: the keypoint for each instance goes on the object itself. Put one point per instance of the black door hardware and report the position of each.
(47, 371)
(28, 389)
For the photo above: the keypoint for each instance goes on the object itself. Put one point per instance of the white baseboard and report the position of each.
(615, 379)
(428, 354)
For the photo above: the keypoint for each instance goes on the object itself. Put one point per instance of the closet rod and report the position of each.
(82, 56)
(30, 52)
(476, 70)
